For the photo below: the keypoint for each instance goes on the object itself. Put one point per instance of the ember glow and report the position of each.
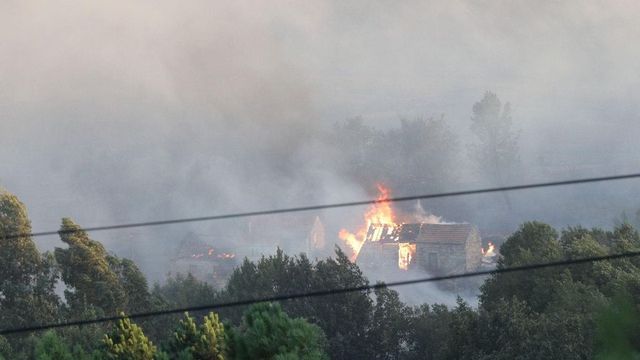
(406, 252)
(379, 213)
(490, 252)
(211, 253)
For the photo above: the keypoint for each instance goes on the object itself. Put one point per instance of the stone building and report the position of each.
(203, 261)
(294, 233)
(439, 249)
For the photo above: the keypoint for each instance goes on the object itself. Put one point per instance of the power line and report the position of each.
(326, 292)
(332, 206)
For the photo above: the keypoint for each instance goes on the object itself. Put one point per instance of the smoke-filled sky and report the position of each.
(116, 112)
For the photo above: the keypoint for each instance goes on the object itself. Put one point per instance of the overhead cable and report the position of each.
(325, 292)
(330, 206)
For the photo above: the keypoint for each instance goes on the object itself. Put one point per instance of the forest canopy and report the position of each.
(570, 312)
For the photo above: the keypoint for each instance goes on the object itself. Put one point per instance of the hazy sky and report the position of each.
(113, 111)
(562, 64)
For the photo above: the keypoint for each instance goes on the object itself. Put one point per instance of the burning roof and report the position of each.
(387, 231)
(192, 247)
(420, 232)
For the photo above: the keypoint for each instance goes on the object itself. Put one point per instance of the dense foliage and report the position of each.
(581, 311)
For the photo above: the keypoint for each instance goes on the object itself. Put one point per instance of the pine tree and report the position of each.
(267, 332)
(211, 343)
(205, 342)
(128, 342)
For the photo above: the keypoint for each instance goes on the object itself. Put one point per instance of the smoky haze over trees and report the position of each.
(569, 311)
(496, 151)
(112, 113)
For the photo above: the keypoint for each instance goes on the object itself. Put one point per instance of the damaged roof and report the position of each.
(421, 232)
(444, 233)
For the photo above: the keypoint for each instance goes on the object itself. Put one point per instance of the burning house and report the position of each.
(421, 242)
(435, 248)
(205, 263)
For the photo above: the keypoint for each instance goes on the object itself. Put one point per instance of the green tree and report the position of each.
(533, 243)
(27, 279)
(86, 271)
(578, 242)
(206, 341)
(430, 326)
(507, 331)
(389, 330)
(212, 344)
(618, 326)
(51, 347)
(267, 332)
(88, 338)
(128, 342)
(5, 348)
(184, 338)
(568, 323)
(436, 332)
(463, 332)
(133, 282)
(184, 290)
(96, 278)
(344, 317)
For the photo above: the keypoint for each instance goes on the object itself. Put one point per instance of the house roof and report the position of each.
(193, 248)
(191, 245)
(420, 232)
(444, 233)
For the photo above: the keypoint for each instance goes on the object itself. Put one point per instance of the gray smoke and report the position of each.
(113, 112)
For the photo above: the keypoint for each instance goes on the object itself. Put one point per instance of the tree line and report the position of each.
(425, 154)
(574, 312)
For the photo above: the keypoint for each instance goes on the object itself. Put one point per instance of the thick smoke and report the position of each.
(116, 112)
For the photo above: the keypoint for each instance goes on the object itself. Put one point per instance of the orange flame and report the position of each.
(211, 253)
(378, 213)
(490, 252)
(406, 252)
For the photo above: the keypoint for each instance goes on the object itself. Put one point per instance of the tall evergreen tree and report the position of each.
(206, 341)
(128, 342)
(27, 279)
(87, 272)
(96, 278)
